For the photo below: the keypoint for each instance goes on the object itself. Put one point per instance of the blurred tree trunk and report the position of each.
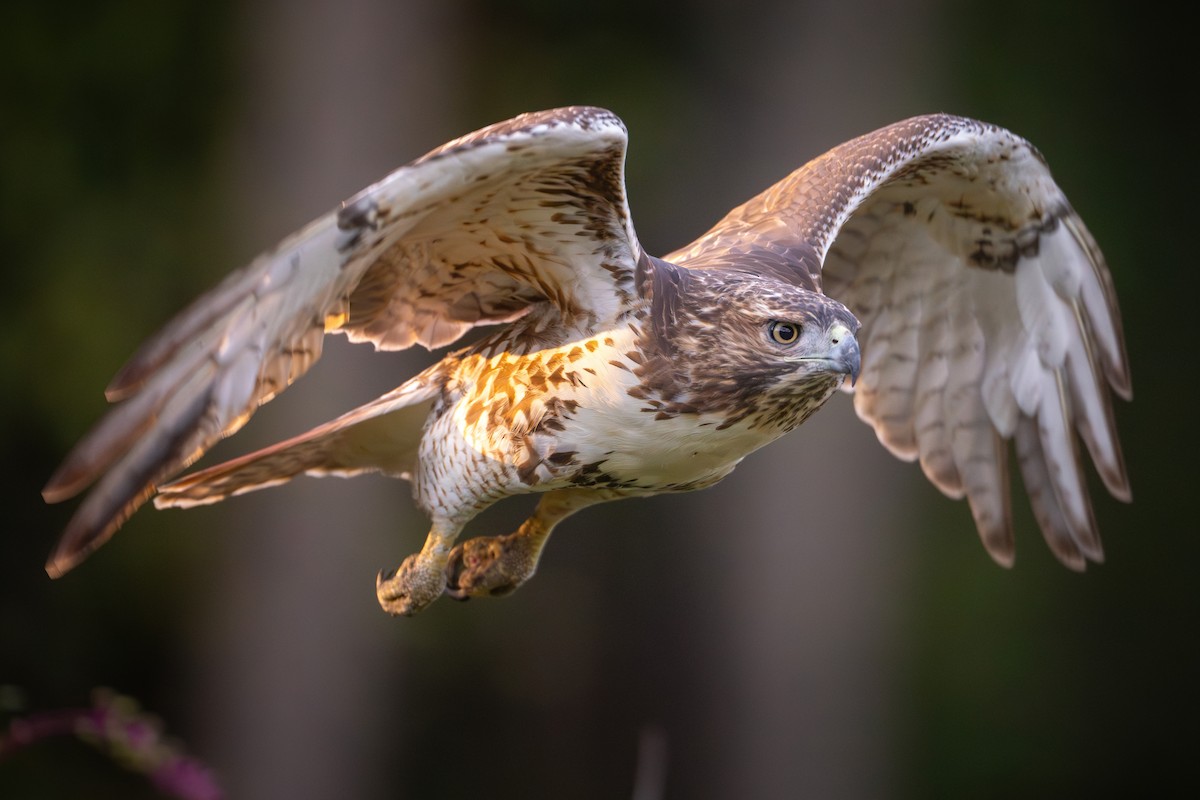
(297, 686)
(808, 530)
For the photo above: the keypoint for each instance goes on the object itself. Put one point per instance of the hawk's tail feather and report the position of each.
(382, 436)
(268, 467)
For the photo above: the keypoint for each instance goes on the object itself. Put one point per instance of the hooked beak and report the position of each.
(844, 351)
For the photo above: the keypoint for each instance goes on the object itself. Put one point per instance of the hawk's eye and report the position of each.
(783, 332)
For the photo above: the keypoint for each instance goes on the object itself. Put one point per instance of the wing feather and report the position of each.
(527, 212)
(931, 426)
(987, 312)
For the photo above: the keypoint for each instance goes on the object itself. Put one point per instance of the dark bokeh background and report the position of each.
(822, 624)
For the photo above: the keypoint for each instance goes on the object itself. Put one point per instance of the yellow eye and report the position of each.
(783, 332)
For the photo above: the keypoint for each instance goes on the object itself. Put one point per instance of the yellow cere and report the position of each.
(335, 320)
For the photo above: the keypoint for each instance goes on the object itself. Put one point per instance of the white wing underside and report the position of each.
(956, 361)
(987, 315)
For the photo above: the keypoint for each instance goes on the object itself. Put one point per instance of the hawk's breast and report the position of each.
(566, 416)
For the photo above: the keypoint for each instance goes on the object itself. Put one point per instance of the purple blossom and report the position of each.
(116, 726)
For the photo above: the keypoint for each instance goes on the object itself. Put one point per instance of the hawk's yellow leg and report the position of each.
(421, 578)
(497, 565)
(480, 567)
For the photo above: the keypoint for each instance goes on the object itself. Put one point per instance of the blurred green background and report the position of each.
(823, 624)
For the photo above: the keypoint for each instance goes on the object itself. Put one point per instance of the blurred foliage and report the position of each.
(105, 150)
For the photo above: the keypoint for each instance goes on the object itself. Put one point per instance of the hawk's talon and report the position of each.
(412, 586)
(490, 566)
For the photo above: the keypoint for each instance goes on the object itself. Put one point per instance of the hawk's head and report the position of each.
(747, 345)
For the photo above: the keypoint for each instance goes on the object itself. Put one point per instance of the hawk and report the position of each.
(932, 268)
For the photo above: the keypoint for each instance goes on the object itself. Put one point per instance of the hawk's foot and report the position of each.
(490, 566)
(416, 583)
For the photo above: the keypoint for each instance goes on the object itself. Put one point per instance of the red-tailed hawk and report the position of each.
(933, 264)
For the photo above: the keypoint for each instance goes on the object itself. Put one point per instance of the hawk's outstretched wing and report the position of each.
(988, 313)
(527, 212)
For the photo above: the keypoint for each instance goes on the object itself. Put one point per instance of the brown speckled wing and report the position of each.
(987, 311)
(529, 211)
